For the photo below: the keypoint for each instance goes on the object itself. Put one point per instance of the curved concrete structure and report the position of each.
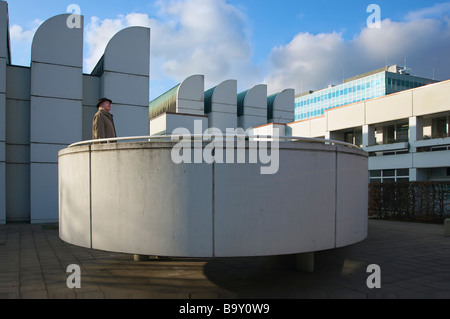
(221, 105)
(252, 107)
(280, 106)
(132, 198)
(185, 98)
(55, 43)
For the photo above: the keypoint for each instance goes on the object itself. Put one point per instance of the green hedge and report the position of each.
(416, 201)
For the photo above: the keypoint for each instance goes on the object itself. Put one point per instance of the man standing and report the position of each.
(103, 123)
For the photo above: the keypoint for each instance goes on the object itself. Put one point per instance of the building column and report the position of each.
(124, 79)
(417, 174)
(415, 132)
(252, 107)
(221, 105)
(2, 141)
(368, 135)
(55, 109)
(4, 59)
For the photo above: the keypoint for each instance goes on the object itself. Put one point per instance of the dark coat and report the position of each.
(103, 125)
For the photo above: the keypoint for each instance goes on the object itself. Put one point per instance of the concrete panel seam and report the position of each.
(56, 98)
(49, 163)
(123, 104)
(16, 163)
(222, 103)
(56, 64)
(335, 194)
(90, 196)
(16, 99)
(220, 112)
(125, 73)
(48, 143)
(16, 144)
(213, 211)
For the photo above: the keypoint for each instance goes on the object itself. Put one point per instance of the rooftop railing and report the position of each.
(211, 137)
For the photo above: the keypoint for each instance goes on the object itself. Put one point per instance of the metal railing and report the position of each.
(210, 137)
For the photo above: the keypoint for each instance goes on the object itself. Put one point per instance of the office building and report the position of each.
(363, 87)
(406, 134)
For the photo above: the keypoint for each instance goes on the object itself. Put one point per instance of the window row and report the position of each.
(389, 175)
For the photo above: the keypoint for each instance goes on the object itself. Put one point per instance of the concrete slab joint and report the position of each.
(447, 227)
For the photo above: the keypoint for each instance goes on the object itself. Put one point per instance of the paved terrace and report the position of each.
(414, 260)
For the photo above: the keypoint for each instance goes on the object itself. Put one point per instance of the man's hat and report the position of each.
(103, 100)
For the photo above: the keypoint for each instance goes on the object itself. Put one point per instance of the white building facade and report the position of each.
(406, 134)
(50, 104)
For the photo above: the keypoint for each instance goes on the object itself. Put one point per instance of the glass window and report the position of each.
(439, 127)
(403, 172)
(389, 134)
(389, 173)
(375, 173)
(402, 132)
(348, 138)
(358, 138)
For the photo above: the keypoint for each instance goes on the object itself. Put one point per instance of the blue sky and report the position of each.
(304, 45)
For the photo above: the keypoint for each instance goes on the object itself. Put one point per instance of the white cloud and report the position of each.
(212, 38)
(21, 40)
(97, 35)
(314, 61)
(190, 37)
(19, 34)
(436, 11)
(305, 61)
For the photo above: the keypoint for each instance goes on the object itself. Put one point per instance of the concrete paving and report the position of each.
(413, 259)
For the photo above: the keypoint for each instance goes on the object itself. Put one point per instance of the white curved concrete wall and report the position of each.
(191, 95)
(223, 113)
(283, 107)
(55, 108)
(128, 51)
(49, 105)
(132, 198)
(125, 79)
(254, 108)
